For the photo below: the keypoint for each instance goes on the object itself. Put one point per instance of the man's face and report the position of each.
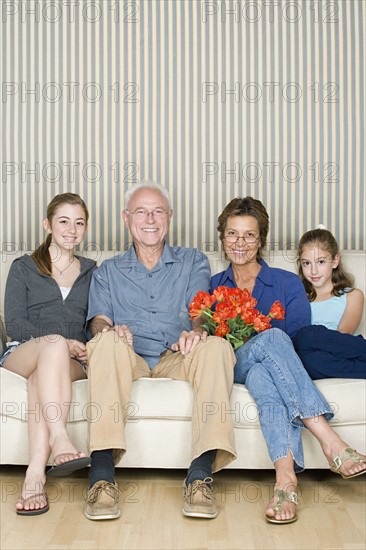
(148, 218)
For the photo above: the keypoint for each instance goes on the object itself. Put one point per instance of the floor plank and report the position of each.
(331, 511)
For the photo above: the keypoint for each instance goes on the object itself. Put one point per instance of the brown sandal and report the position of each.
(33, 512)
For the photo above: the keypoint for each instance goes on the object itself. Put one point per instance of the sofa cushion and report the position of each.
(347, 397)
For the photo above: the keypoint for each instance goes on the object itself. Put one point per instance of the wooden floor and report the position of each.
(332, 514)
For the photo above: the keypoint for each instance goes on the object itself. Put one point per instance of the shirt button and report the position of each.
(150, 275)
(167, 344)
(153, 312)
(152, 297)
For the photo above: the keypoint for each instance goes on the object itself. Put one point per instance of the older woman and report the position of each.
(286, 397)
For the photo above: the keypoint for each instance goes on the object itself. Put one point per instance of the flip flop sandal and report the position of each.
(69, 467)
(347, 454)
(282, 497)
(33, 512)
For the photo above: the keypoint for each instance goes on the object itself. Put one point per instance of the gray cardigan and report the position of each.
(34, 305)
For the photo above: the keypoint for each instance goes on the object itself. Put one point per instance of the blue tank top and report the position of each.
(328, 313)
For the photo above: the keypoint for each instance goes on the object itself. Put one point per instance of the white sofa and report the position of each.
(158, 429)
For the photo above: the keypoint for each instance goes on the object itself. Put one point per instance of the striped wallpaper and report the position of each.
(212, 99)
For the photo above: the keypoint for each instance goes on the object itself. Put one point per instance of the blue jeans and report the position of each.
(283, 391)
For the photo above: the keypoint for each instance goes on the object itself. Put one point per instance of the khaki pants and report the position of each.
(113, 365)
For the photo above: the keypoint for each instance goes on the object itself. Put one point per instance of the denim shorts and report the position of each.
(11, 346)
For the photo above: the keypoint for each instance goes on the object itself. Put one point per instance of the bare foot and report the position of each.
(63, 450)
(333, 446)
(33, 496)
(350, 466)
(288, 509)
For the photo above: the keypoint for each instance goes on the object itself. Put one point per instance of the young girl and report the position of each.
(329, 348)
(46, 300)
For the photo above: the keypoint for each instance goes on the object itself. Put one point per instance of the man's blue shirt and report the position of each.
(154, 303)
(275, 284)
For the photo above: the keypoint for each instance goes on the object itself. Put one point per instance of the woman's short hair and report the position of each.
(246, 206)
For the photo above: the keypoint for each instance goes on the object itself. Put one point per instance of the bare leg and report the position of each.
(39, 451)
(50, 371)
(54, 387)
(331, 444)
(286, 480)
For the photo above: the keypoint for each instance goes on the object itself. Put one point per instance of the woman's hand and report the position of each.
(77, 350)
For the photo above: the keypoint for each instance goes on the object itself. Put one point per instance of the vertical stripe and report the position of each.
(360, 94)
(353, 142)
(197, 95)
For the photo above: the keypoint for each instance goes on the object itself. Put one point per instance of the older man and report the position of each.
(138, 313)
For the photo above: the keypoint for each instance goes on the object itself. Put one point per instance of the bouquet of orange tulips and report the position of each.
(231, 314)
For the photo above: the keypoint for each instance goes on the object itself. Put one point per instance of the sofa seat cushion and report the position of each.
(163, 398)
(347, 397)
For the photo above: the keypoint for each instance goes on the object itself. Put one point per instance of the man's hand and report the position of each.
(123, 332)
(77, 350)
(189, 340)
(101, 323)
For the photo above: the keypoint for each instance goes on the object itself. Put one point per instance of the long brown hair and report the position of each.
(340, 278)
(41, 255)
(246, 206)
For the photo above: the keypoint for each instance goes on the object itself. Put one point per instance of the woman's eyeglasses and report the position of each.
(248, 239)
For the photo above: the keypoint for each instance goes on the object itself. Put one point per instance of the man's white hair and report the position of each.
(147, 184)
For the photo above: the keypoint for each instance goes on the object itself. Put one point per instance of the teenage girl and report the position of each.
(46, 302)
(329, 348)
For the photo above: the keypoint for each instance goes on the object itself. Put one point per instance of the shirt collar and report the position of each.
(130, 259)
(228, 275)
(265, 275)
(169, 256)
